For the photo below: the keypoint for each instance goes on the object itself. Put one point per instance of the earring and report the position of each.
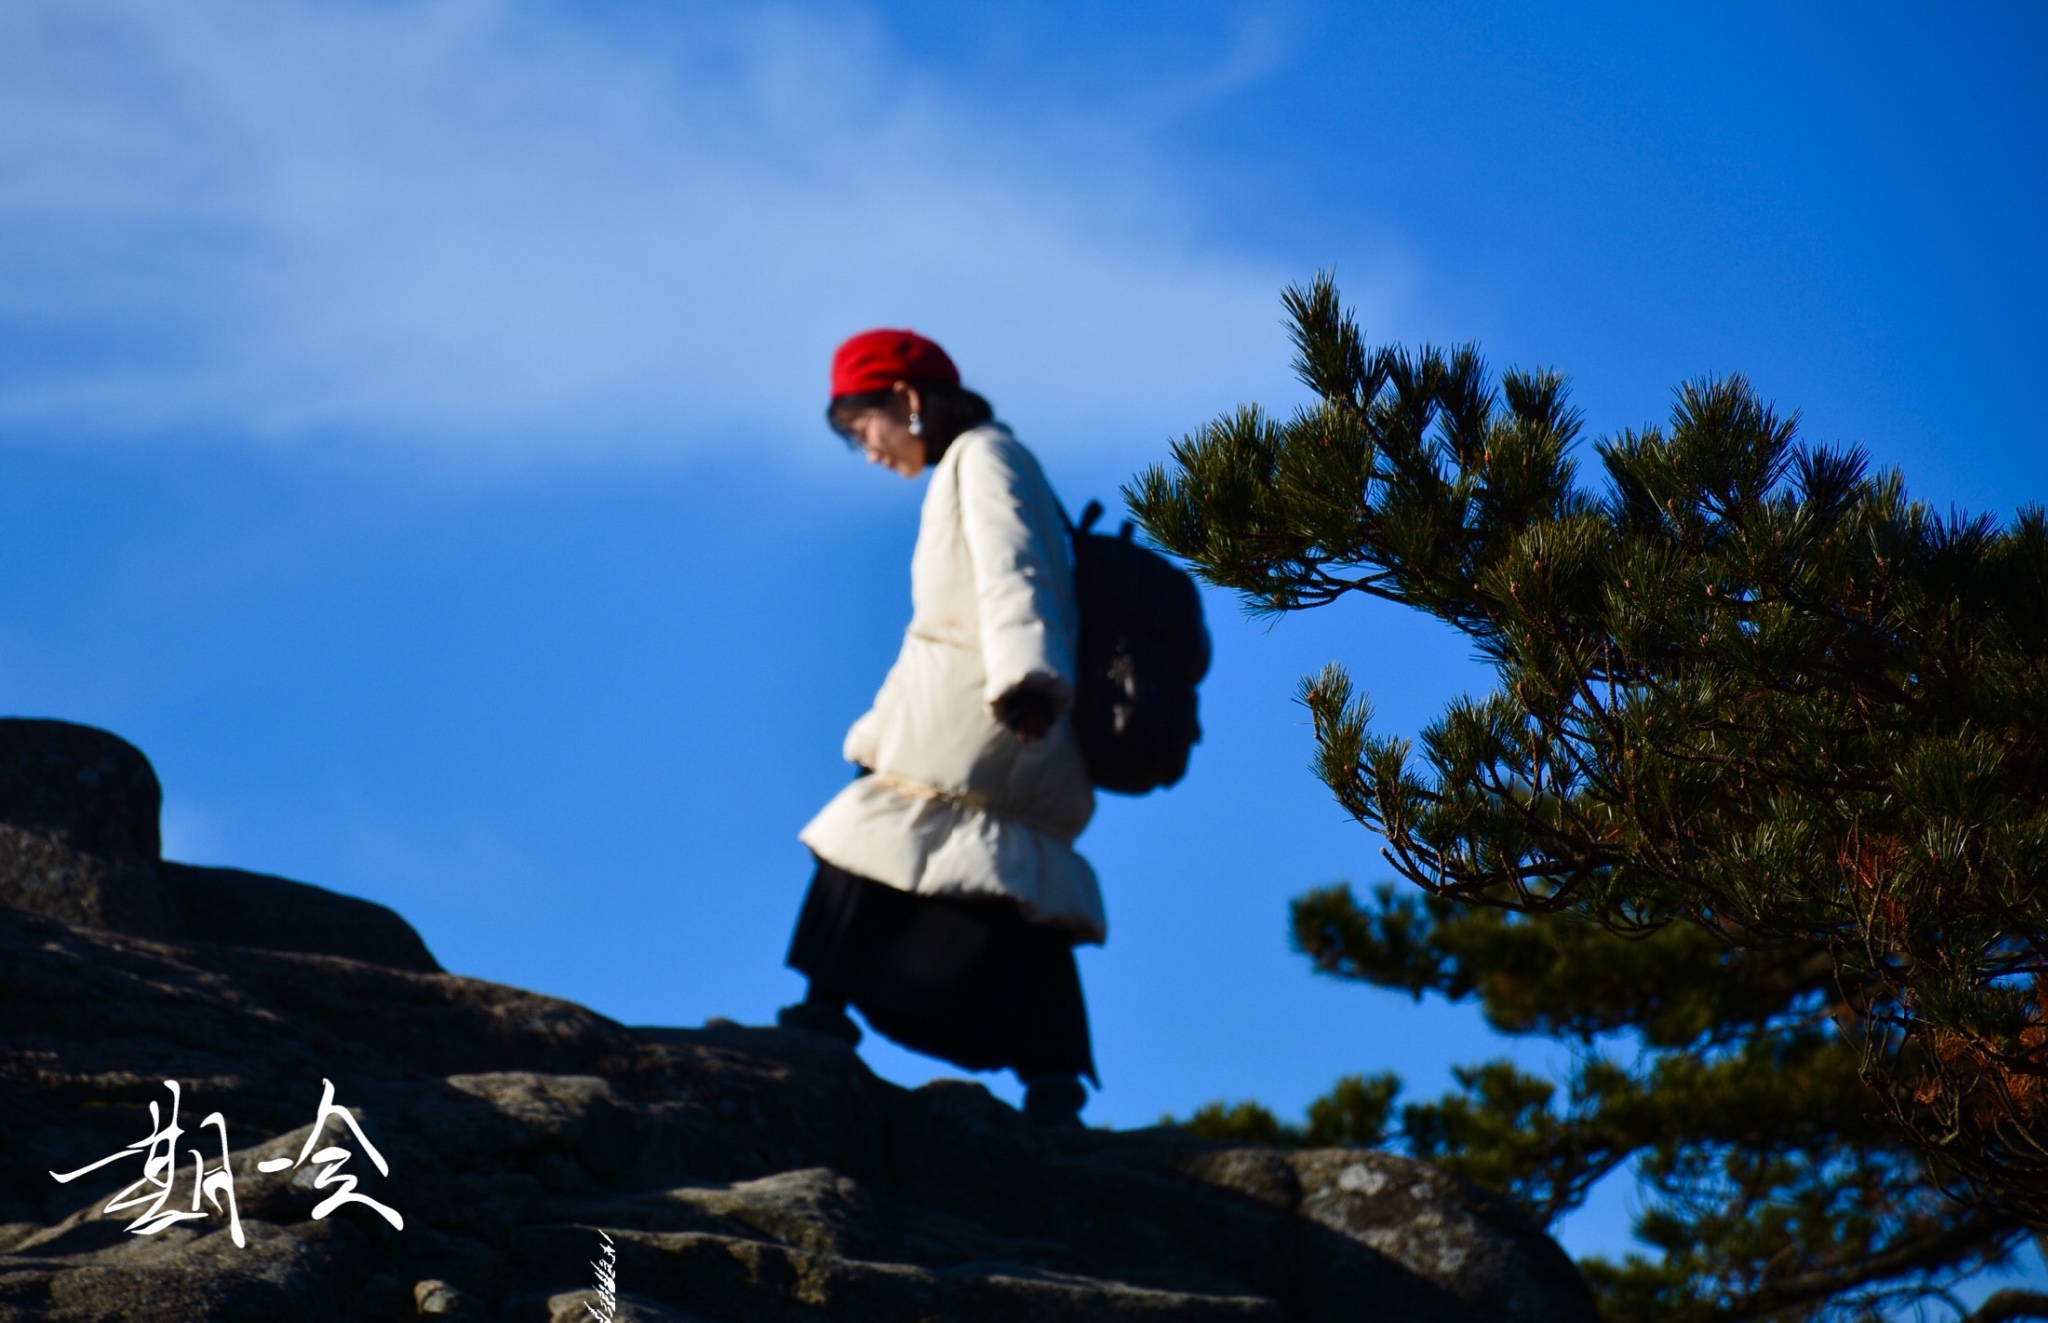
(916, 424)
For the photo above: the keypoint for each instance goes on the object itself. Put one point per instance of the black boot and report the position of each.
(819, 1014)
(1054, 1101)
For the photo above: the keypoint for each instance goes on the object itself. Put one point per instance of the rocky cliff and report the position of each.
(548, 1164)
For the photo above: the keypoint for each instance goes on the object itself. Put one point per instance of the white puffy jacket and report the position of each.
(957, 804)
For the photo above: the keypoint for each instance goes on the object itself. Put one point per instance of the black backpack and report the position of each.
(1143, 650)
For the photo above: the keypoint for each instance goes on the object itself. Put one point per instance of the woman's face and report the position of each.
(884, 436)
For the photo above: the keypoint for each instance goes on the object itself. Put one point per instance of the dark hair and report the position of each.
(946, 412)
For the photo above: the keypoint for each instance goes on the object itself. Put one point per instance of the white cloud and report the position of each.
(492, 227)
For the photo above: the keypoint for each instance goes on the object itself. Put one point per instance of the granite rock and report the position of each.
(79, 841)
(84, 788)
(542, 1163)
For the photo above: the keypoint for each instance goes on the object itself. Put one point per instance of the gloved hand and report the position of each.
(1027, 712)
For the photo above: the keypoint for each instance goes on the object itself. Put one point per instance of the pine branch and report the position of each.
(1749, 686)
(2000, 1306)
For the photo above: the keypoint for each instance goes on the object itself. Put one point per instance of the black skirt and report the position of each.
(968, 981)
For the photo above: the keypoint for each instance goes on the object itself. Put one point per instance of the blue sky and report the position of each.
(410, 410)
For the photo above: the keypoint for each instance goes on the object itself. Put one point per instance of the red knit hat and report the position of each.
(877, 360)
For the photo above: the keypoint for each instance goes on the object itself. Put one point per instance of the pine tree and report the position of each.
(1763, 782)
(1775, 1185)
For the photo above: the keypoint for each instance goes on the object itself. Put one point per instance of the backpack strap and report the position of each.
(1089, 514)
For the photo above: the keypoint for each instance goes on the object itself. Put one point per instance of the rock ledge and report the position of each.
(541, 1155)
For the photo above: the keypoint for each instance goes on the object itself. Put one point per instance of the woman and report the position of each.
(948, 896)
